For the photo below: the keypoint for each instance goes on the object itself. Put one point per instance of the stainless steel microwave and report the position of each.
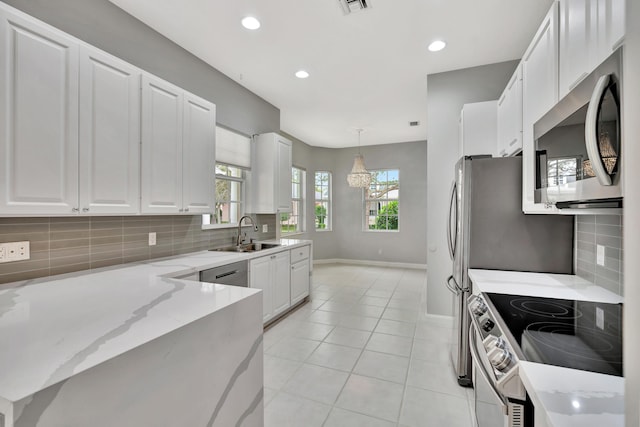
(578, 143)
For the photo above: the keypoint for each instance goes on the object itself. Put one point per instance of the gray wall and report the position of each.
(104, 25)
(605, 230)
(347, 240)
(446, 93)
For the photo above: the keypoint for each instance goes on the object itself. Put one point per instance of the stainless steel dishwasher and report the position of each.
(235, 274)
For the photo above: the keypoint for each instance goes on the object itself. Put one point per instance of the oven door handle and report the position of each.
(475, 355)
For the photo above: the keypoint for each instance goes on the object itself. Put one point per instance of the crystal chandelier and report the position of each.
(359, 176)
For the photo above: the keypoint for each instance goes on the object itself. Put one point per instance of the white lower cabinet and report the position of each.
(271, 274)
(299, 274)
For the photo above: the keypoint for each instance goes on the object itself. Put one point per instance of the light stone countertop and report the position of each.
(52, 329)
(563, 397)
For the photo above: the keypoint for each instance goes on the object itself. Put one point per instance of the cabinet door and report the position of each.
(281, 282)
(479, 128)
(539, 94)
(260, 277)
(198, 155)
(575, 43)
(299, 281)
(109, 134)
(38, 118)
(611, 27)
(510, 116)
(162, 105)
(284, 175)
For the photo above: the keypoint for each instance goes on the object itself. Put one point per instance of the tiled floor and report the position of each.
(362, 352)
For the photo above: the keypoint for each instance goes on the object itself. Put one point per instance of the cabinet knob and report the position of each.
(273, 257)
(85, 209)
(75, 210)
(186, 209)
(180, 210)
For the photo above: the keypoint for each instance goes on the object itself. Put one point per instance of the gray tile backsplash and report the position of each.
(605, 230)
(63, 245)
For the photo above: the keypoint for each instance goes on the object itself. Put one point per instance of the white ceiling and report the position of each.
(368, 69)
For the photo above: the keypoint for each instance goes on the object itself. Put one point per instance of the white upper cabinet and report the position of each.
(478, 128)
(271, 174)
(38, 118)
(576, 32)
(539, 94)
(109, 134)
(162, 105)
(590, 30)
(178, 150)
(510, 116)
(198, 155)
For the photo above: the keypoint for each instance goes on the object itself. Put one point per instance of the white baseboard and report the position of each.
(372, 263)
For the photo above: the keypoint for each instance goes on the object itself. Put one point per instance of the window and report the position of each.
(381, 200)
(294, 222)
(562, 170)
(323, 200)
(229, 196)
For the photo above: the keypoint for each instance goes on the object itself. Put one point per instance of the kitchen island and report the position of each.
(562, 397)
(132, 347)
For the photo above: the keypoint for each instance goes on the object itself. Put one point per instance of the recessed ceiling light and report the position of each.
(302, 74)
(437, 45)
(250, 23)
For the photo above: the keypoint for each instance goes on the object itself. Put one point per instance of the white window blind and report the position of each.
(232, 148)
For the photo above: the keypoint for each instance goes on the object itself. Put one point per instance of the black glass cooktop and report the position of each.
(574, 334)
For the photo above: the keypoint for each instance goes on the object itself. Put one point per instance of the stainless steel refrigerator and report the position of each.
(487, 229)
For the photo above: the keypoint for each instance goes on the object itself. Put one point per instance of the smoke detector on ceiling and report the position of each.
(351, 6)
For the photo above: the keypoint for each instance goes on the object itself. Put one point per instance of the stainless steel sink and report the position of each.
(251, 247)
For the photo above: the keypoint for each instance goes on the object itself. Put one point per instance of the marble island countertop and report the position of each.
(562, 397)
(52, 329)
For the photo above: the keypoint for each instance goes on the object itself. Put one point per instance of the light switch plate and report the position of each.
(152, 239)
(265, 228)
(599, 254)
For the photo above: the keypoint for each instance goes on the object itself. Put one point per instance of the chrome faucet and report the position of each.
(255, 228)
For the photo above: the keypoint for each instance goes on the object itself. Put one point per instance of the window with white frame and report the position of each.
(293, 222)
(229, 194)
(233, 160)
(323, 200)
(382, 200)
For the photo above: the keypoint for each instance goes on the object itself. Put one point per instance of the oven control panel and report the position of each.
(494, 349)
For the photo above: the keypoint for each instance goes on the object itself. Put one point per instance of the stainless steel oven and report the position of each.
(579, 144)
(506, 329)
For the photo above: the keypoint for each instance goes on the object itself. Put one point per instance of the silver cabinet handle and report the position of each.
(85, 209)
(75, 210)
(180, 210)
(578, 80)
(186, 209)
(513, 142)
(476, 356)
(590, 134)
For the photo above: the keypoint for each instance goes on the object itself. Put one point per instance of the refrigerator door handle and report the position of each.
(453, 210)
(453, 288)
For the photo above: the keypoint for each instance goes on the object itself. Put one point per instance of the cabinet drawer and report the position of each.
(299, 254)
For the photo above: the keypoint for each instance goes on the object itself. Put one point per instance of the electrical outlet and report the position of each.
(265, 228)
(600, 254)
(14, 251)
(600, 318)
(152, 239)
